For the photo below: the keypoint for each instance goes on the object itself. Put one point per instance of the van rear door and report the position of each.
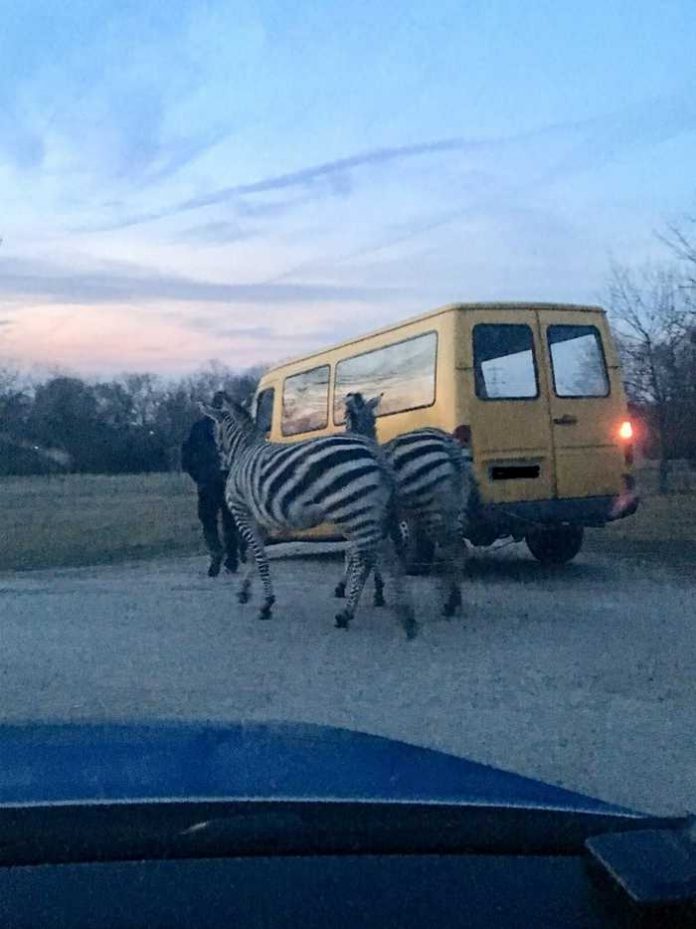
(586, 402)
(508, 410)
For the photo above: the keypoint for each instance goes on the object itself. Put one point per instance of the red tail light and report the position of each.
(626, 435)
(463, 435)
(626, 430)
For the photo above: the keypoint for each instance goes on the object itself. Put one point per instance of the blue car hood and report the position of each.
(277, 761)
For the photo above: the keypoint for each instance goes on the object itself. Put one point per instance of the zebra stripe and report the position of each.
(340, 479)
(434, 483)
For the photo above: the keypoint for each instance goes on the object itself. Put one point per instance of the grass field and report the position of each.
(91, 519)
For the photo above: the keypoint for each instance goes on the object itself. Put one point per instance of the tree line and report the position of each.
(132, 424)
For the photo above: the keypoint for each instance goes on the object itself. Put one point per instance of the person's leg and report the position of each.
(208, 506)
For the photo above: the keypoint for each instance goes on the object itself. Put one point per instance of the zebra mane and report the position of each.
(234, 429)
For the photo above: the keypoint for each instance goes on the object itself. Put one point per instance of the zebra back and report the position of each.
(342, 479)
(425, 462)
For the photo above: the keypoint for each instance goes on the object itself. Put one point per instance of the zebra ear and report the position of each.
(374, 402)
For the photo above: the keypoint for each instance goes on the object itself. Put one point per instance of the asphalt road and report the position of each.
(585, 676)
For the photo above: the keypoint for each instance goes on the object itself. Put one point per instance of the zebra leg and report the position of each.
(340, 588)
(244, 592)
(361, 562)
(453, 548)
(379, 588)
(391, 555)
(342, 619)
(250, 532)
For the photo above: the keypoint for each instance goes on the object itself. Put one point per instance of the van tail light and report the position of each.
(626, 430)
(463, 435)
(626, 436)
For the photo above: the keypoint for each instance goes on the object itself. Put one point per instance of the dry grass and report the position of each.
(90, 519)
(664, 526)
(670, 518)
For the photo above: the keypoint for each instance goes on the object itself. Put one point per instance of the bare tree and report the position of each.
(680, 238)
(654, 319)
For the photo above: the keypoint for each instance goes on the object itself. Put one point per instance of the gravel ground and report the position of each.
(584, 676)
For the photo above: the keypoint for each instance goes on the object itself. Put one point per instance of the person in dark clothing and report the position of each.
(201, 461)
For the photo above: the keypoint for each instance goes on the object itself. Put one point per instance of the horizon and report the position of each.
(248, 183)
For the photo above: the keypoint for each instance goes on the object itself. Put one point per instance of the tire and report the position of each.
(555, 546)
(419, 550)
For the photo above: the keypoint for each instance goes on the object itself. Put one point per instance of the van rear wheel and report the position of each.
(557, 545)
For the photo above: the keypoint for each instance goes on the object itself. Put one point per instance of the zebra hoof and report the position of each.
(342, 620)
(340, 591)
(408, 621)
(453, 602)
(214, 567)
(243, 596)
(266, 611)
(379, 599)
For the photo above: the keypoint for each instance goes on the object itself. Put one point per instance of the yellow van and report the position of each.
(534, 390)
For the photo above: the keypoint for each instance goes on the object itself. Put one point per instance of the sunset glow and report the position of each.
(177, 188)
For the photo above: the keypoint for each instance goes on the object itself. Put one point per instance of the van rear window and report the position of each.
(577, 359)
(504, 363)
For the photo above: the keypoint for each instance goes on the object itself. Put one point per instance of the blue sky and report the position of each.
(246, 181)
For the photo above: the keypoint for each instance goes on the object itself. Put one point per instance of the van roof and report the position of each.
(447, 308)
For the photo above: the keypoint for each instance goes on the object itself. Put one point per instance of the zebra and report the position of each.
(434, 487)
(340, 479)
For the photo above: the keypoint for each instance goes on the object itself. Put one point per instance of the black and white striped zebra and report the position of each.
(339, 479)
(434, 485)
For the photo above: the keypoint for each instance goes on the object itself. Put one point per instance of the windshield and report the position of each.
(238, 241)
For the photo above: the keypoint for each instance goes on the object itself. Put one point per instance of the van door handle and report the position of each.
(565, 420)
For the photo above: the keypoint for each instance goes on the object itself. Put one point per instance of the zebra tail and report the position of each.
(393, 525)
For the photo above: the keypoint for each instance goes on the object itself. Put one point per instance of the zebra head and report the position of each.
(234, 428)
(361, 418)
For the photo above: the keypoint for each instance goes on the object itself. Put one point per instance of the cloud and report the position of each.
(569, 149)
(598, 141)
(175, 154)
(111, 94)
(222, 329)
(584, 144)
(215, 233)
(331, 176)
(119, 282)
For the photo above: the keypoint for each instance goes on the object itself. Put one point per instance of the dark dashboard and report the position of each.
(283, 825)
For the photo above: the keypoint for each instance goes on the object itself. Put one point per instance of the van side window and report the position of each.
(264, 410)
(577, 360)
(404, 373)
(306, 401)
(504, 363)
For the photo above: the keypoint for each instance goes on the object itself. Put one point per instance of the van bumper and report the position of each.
(516, 519)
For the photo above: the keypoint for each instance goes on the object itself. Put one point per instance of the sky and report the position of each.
(198, 179)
